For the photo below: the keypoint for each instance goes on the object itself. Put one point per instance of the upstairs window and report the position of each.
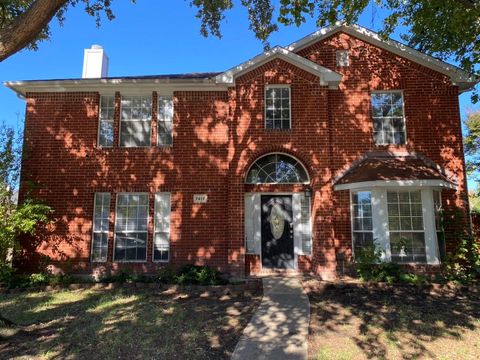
(105, 121)
(277, 107)
(136, 119)
(342, 58)
(165, 121)
(388, 118)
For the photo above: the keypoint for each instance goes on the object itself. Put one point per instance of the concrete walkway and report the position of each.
(279, 328)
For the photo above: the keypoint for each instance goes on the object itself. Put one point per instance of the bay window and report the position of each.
(398, 221)
(362, 225)
(405, 222)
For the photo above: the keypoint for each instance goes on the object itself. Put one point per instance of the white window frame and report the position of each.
(381, 231)
(169, 227)
(121, 120)
(342, 55)
(401, 92)
(352, 218)
(277, 86)
(423, 231)
(100, 232)
(108, 120)
(306, 226)
(169, 97)
(115, 227)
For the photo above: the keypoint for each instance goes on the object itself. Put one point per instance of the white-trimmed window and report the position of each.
(388, 118)
(405, 223)
(437, 203)
(101, 213)
(106, 121)
(165, 121)
(136, 121)
(342, 58)
(131, 223)
(161, 240)
(362, 224)
(277, 107)
(306, 225)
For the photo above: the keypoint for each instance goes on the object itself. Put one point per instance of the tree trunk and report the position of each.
(27, 26)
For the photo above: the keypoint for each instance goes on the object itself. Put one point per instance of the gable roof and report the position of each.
(327, 77)
(464, 80)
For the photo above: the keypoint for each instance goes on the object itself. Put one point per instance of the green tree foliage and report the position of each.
(471, 142)
(443, 28)
(474, 199)
(15, 220)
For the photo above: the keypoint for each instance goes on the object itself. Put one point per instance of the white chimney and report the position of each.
(95, 63)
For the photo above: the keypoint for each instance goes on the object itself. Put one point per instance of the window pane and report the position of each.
(306, 225)
(131, 227)
(135, 133)
(362, 221)
(100, 226)
(388, 118)
(135, 121)
(161, 243)
(407, 238)
(276, 168)
(277, 108)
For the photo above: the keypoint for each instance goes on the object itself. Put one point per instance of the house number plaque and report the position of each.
(200, 198)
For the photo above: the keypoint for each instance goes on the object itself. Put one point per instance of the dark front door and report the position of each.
(277, 231)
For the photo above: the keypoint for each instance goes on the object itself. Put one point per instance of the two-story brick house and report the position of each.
(293, 159)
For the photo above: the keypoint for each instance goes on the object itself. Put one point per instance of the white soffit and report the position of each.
(463, 79)
(395, 184)
(327, 77)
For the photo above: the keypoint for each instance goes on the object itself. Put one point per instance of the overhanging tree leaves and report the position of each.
(442, 28)
(471, 142)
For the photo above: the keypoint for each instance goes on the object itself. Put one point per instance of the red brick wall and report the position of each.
(217, 135)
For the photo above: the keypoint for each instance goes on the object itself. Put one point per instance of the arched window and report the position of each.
(277, 169)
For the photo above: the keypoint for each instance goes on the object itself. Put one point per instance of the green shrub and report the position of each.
(6, 275)
(463, 265)
(166, 275)
(370, 268)
(198, 275)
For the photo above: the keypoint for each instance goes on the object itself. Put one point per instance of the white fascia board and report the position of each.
(396, 183)
(464, 80)
(112, 85)
(327, 77)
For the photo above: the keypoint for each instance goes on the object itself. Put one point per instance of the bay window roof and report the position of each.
(387, 169)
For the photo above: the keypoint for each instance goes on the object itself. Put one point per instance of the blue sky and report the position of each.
(150, 37)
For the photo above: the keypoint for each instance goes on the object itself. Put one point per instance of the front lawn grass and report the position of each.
(354, 322)
(122, 324)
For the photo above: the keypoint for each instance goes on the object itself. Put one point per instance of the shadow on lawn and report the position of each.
(122, 324)
(406, 318)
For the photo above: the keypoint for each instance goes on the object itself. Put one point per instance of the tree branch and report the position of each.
(468, 3)
(27, 26)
